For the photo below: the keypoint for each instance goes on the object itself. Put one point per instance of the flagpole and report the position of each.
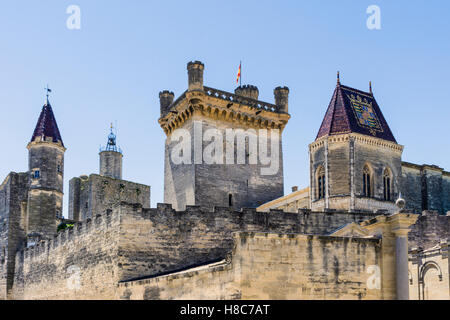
(240, 78)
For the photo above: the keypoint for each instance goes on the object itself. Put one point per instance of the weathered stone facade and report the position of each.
(132, 243)
(341, 238)
(13, 199)
(111, 164)
(226, 181)
(343, 159)
(273, 266)
(429, 272)
(94, 194)
(425, 187)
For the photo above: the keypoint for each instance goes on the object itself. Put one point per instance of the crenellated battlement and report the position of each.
(166, 216)
(79, 230)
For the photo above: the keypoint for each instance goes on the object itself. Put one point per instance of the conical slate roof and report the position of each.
(46, 126)
(353, 110)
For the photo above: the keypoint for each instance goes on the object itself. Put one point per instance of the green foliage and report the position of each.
(64, 226)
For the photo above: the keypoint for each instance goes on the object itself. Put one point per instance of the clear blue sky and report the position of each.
(127, 51)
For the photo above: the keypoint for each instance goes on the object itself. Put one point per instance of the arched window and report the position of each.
(367, 182)
(387, 182)
(320, 182)
(430, 280)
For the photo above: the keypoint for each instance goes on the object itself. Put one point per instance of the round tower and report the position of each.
(111, 158)
(46, 168)
(165, 99)
(247, 91)
(195, 75)
(282, 98)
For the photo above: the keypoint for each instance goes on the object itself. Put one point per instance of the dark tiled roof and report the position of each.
(352, 110)
(46, 126)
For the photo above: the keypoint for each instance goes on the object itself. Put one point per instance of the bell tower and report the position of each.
(111, 158)
(46, 168)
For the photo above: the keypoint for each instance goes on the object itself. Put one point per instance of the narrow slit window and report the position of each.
(367, 182)
(387, 180)
(321, 183)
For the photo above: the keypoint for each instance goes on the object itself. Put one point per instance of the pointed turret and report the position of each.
(46, 127)
(354, 111)
(46, 167)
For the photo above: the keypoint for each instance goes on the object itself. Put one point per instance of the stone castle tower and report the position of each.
(355, 161)
(98, 193)
(111, 158)
(46, 167)
(235, 178)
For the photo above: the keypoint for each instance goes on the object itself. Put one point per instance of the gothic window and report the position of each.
(59, 168)
(36, 174)
(367, 182)
(387, 182)
(320, 183)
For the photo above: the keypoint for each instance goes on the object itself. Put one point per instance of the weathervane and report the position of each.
(48, 90)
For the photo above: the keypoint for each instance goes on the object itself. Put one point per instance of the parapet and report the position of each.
(79, 231)
(241, 106)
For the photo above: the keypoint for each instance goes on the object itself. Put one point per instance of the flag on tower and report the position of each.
(239, 73)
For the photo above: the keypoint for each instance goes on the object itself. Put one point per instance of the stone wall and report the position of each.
(205, 184)
(429, 230)
(97, 194)
(273, 266)
(155, 241)
(79, 263)
(425, 187)
(111, 164)
(343, 158)
(412, 188)
(429, 273)
(131, 243)
(13, 199)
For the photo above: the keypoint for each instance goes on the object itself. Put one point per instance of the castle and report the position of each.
(369, 226)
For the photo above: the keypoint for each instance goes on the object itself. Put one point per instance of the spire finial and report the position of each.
(48, 90)
(338, 78)
(370, 86)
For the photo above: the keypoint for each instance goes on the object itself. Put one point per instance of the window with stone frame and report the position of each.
(387, 185)
(367, 182)
(320, 183)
